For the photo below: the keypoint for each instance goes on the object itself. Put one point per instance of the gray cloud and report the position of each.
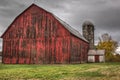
(105, 14)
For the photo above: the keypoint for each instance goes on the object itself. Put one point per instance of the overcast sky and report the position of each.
(104, 14)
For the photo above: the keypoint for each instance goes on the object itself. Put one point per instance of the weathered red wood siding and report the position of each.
(78, 50)
(37, 37)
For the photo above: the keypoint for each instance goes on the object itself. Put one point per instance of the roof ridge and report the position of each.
(67, 26)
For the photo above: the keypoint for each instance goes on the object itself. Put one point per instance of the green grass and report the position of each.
(90, 71)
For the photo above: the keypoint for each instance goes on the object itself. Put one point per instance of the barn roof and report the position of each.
(96, 52)
(68, 27)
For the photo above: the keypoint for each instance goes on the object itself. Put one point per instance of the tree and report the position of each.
(108, 45)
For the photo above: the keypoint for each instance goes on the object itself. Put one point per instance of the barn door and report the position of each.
(96, 58)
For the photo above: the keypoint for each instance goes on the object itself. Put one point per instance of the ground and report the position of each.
(90, 71)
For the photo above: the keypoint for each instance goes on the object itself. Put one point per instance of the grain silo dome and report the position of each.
(86, 23)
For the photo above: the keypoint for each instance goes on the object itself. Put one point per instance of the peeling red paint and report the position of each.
(36, 37)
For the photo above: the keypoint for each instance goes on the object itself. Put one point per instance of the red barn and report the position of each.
(37, 36)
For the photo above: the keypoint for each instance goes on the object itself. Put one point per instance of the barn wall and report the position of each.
(91, 58)
(36, 37)
(102, 58)
(79, 50)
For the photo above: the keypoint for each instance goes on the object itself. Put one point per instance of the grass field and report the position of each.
(90, 71)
